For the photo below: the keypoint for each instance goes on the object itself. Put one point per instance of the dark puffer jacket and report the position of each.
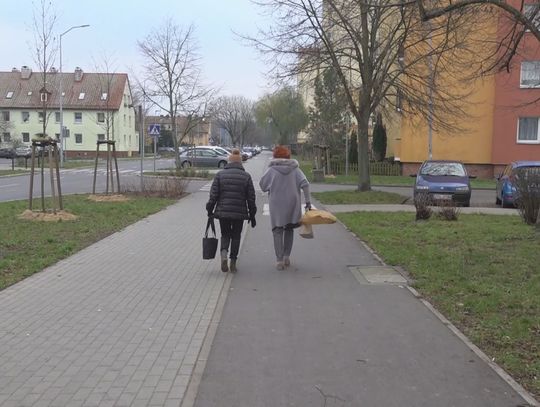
(232, 194)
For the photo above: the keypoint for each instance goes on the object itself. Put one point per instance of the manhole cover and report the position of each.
(377, 275)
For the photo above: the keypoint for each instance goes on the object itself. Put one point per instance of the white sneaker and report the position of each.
(286, 261)
(280, 265)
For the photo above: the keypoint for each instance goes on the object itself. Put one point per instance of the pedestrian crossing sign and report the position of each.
(154, 130)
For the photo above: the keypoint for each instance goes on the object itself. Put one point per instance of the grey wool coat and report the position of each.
(284, 180)
(232, 194)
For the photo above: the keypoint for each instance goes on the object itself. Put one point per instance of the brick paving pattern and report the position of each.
(113, 325)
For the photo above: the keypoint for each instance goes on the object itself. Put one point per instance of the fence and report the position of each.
(375, 168)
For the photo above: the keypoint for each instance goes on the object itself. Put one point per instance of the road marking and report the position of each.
(9, 185)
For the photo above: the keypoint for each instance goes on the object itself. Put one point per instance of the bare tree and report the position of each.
(45, 49)
(518, 18)
(385, 57)
(5, 126)
(44, 22)
(172, 75)
(106, 76)
(235, 115)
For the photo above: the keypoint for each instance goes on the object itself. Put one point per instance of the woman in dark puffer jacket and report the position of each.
(232, 200)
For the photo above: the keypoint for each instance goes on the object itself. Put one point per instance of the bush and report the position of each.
(448, 211)
(162, 187)
(421, 203)
(191, 173)
(528, 193)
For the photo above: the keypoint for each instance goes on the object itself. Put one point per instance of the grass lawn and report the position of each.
(13, 172)
(480, 271)
(384, 180)
(355, 197)
(27, 247)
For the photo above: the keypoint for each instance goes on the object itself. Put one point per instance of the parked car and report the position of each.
(444, 182)
(202, 157)
(506, 193)
(7, 153)
(165, 150)
(24, 151)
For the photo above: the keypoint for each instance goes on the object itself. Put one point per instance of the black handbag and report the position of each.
(209, 244)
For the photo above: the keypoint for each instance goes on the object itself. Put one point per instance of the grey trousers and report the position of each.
(283, 241)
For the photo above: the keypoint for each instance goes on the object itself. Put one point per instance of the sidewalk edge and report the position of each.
(196, 376)
(524, 394)
(478, 352)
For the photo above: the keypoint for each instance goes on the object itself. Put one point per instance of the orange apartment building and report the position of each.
(504, 123)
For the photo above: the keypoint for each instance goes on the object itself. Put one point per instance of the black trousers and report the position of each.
(231, 231)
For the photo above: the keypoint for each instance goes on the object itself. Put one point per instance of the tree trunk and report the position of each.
(364, 183)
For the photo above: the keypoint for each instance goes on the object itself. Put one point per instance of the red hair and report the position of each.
(281, 152)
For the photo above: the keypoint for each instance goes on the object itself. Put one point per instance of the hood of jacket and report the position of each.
(283, 165)
(234, 165)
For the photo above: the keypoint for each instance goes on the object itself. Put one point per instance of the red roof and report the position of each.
(26, 92)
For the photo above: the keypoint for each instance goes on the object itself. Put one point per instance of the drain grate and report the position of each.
(377, 275)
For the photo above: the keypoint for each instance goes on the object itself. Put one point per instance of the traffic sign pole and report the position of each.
(154, 130)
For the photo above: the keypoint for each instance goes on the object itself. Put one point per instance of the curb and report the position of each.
(524, 394)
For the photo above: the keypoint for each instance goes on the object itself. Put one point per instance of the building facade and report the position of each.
(93, 106)
(503, 114)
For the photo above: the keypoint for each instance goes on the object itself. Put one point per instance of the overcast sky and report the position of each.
(117, 25)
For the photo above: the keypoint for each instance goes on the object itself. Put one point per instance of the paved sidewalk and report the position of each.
(337, 329)
(129, 321)
(120, 323)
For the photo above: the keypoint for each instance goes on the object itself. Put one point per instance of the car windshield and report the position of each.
(443, 169)
(527, 172)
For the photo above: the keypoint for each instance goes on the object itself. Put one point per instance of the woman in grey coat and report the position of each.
(284, 180)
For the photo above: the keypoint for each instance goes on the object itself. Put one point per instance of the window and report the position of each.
(26, 137)
(101, 137)
(5, 115)
(81, 95)
(29, 93)
(104, 96)
(101, 117)
(6, 137)
(528, 130)
(43, 97)
(124, 120)
(25, 116)
(9, 95)
(57, 117)
(40, 117)
(78, 138)
(78, 117)
(531, 11)
(530, 74)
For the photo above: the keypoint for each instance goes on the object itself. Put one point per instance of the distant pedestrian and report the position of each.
(232, 200)
(284, 180)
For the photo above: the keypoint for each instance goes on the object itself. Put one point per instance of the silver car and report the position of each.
(202, 157)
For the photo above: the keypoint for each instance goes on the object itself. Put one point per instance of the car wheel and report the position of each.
(497, 200)
(186, 164)
(222, 164)
(466, 204)
(504, 203)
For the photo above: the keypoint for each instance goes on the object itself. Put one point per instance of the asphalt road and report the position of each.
(79, 181)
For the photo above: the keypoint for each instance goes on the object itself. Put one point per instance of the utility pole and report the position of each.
(141, 142)
(62, 131)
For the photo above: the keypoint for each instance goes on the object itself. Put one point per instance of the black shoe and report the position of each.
(224, 266)
(233, 266)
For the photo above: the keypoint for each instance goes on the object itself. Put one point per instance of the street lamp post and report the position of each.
(62, 95)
